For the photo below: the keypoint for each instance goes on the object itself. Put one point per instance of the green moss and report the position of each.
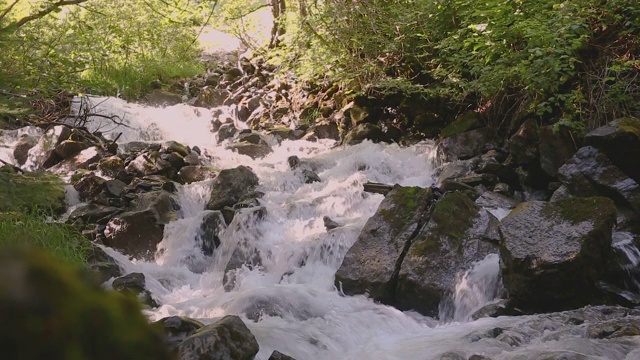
(451, 219)
(50, 312)
(468, 121)
(405, 201)
(579, 209)
(31, 192)
(629, 125)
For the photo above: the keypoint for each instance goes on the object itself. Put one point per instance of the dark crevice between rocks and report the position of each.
(392, 285)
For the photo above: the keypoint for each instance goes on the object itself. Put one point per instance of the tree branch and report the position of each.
(7, 10)
(40, 14)
(249, 12)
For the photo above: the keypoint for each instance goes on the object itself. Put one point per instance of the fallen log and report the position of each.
(377, 188)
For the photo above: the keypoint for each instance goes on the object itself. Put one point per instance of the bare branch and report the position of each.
(40, 14)
(7, 10)
(248, 12)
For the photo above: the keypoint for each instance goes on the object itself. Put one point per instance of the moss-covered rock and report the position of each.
(620, 141)
(48, 312)
(468, 121)
(554, 254)
(227, 338)
(371, 264)
(31, 192)
(458, 234)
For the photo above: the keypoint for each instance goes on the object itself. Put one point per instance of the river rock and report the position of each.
(102, 266)
(231, 186)
(91, 213)
(228, 338)
(372, 263)
(618, 140)
(226, 131)
(556, 147)
(134, 284)
(523, 145)
(111, 166)
(175, 147)
(178, 328)
(458, 234)
(69, 148)
(590, 172)
(42, 155)
(465, 145)
(163, 98)
(209, 233)
(366, 131)
(553, 254)
(162, 204)
(89, 186)
(135, 233)
(21, 150)
(82, 160)
(254, 151)
(194, 173)
(277, 355)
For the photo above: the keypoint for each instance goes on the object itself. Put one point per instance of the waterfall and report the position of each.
(285, 289)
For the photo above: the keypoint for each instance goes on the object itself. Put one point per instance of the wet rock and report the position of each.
(175, 147)
(561, 193)
(21, 150)
(492, 309)
(254, 151)
(277, 355)
(330, 224)
(189, 174)
(114, 188)
(82, 160)
(614, 328)
(89, 186)
(523, 145)
(150, 164)
(163, 98)
(226, 131)
(458, 234)
(371, 265)
(178, 328)
(111, 166)
(468, 121)
(450, 355)
(556, 147)
(326, 129)
(505, 174)
(230, 186)
(366, 131)
(456, 169)
(135, 233)
(42, 155)
(211, 97)
(102, 266)
(590, 172)
(161, 203)
(69, 148)
(465, 145)
(227, 338)
(91, 213)
(138, 146)
(553, 254)
(134, 284)
(617, 140)
(192, 159)
(493, 200)
(209, 233)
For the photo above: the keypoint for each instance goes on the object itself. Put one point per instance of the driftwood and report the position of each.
(377, 188)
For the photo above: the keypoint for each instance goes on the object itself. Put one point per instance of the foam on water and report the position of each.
(287, 297)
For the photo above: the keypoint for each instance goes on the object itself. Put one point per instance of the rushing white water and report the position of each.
(9, 139)
(287, 298)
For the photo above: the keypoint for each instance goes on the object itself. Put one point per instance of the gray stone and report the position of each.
(134, 284)
(163, 98)
(552, 255)
(21, 150)
(226, 339)
(135, 233)
(230, 186)
(458, 234)
(465, 145)
(90, 213)
(372, 263)
(590, 172)
(189, 174)
(277, 355)
(618, 140)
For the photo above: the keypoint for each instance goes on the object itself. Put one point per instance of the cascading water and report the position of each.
(287, 296)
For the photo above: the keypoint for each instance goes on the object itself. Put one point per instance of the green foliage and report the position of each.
(104, 47)
(574, 63)
(61, 241)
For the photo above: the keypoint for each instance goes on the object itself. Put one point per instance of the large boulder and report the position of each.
(553, 254)
(163, 98)
(619, 140)
(465, 145)
(590, 172)
(372, 263)
(226, 339)
(134, 284)
(178, 328)
(523, 145)
(367, 131)
(135, 233)
(22, 147)
(231, 186)
(458, 234)
(556, 147)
